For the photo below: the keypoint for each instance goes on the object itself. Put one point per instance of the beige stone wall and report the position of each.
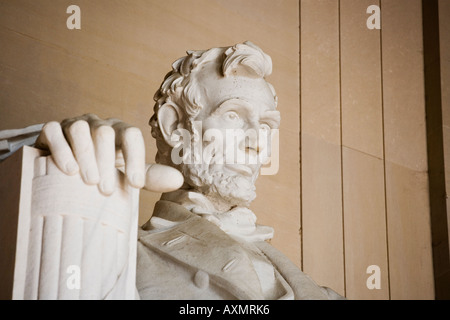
(357, 196)
(364, 153)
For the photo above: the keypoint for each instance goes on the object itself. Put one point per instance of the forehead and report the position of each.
(216, 89)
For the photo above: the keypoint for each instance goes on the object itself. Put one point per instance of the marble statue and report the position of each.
(202, 241)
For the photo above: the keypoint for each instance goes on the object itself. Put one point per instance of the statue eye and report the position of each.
(231, 115)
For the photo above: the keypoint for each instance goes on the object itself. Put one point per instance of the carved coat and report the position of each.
(192, 258)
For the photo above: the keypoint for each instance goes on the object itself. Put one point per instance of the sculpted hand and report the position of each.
(94, 147)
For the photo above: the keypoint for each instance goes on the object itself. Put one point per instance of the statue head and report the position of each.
(212, 120)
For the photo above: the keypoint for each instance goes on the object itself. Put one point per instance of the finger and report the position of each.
(52, 138)
(161, 178)
(105, 152)
(133, 148)
(79, 136)
(120, 162)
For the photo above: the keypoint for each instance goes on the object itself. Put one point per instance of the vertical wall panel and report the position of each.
(403, 83)
(362, 124)
(410, 262)
(362, 140)
(321, 153)
(364, 224)
(408, 212)
(320, 69)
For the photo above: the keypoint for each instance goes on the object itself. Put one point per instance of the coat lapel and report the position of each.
(199, 244)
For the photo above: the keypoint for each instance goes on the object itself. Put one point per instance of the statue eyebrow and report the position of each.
(272, 117)
(228, 104)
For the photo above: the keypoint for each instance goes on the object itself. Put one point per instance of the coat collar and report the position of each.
(199, 244)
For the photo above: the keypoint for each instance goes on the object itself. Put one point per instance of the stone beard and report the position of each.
(219, 185)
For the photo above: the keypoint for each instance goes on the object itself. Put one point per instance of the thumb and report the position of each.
(162, 178)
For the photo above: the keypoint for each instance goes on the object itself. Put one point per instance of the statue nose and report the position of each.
(251, 141)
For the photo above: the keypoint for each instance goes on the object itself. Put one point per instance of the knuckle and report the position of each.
(113, 120)
(92, 116)
(78, 126)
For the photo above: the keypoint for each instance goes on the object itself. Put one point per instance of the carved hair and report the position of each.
(179, 87)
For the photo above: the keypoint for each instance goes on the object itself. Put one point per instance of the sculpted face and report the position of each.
(242, 108)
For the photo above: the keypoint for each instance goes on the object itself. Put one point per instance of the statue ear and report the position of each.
(169, 117)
